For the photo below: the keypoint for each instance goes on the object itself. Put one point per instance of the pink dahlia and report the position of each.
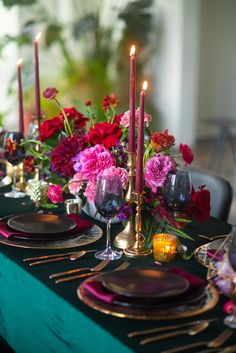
(76, 183)
(63, 154)
(126, 116)
(54, 193)
(157, 169)
(121, 172)
(92, 161)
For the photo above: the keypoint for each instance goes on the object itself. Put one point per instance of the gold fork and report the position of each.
(93, 271)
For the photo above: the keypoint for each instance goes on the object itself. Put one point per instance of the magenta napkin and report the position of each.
(81, 224)
(100, 292)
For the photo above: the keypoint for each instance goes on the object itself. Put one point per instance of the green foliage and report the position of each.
(10, 3)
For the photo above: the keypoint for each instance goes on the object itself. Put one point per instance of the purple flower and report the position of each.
(124, 213)
(157, 169)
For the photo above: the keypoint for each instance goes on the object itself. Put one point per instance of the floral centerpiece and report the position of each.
(74, 149)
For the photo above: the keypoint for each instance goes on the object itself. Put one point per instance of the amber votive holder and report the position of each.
(164, 247)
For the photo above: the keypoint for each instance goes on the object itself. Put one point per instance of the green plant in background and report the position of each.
(95, 54)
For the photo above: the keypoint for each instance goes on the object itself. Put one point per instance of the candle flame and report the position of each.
(145, 84)
(38, 36)
(132, 50)
(19, 62)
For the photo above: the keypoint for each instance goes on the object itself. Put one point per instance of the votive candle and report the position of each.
(164, 247)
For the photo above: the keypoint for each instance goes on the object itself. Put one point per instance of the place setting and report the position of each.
(47, 231)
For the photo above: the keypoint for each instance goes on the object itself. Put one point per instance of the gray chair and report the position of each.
(220, 189)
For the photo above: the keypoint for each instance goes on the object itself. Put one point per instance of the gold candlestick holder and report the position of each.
(21, 185)
(138, 248)
(126, 238)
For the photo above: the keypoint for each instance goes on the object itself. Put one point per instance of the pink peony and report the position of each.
(157, 169)
(74, 184)
(90, 190)
(121, 172)
(92, 161)
(54, 193)
(126, 116)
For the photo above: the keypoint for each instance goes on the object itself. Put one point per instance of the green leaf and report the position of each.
(52, 34)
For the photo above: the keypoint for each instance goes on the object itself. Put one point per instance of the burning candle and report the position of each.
(36, 80)
(20, 97)
(139, 165)
(164, 247)
(132, 84)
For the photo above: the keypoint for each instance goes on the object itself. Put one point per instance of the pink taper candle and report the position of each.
(131, 135)
(139, 165)
(20, 97)
(36, 78)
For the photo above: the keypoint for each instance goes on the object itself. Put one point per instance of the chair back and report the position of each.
(220, 189)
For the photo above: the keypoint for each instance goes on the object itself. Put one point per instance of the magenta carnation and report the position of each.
(90, 190)
(92, 162)
(54, 193)
(124, 120)
(121, 172)
(63, 154)
(157, 169)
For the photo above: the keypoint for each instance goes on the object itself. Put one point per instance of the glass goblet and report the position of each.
(177, 190)
(14, 153)
(108, 201)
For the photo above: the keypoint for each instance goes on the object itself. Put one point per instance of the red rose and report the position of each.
(107, 134)
(29, 164)
(78, 119)
(201, 206)
(187, 153)
(88, 103)
(50, 127)
(50, 93)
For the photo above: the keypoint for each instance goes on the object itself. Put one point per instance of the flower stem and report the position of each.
(66, 122)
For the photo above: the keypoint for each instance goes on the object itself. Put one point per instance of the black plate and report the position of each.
(145, 283)
(38, 223)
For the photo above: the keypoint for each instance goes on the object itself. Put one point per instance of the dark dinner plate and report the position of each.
(38, 223)
(144, 283)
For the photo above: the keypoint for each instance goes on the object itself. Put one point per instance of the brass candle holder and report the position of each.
(21, 185)
(138, 248)
(126, 238)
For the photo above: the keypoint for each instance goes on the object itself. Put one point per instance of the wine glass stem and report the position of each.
(14, 178)
(108, 245)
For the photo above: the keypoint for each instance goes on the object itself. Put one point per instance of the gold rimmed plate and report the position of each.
(151, 312)
(145, 283)
(82, 238)
(41, 223)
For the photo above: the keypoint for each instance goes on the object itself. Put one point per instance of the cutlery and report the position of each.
(191, 331)
(64, 273)
(216, 342)
(213, 238)
(98, 268)
(54, 255)
(229, 349)
(72, 257)
(166, 328)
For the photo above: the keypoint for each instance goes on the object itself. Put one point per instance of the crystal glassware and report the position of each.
(177, 190)
(108, 200)
(14, 153)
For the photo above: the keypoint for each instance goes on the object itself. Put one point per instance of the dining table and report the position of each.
(39, 316)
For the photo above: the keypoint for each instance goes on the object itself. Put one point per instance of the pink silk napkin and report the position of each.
(100, 292)
(81, 224)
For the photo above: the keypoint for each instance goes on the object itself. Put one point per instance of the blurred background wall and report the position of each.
(185, 48)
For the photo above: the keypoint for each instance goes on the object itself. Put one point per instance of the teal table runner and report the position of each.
(37, 316)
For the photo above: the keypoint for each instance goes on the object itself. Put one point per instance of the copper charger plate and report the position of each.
(149, 283)
(85, 237)
(208, 302)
